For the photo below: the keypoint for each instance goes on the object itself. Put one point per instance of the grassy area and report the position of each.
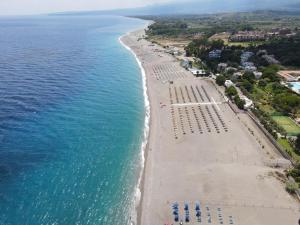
(262, 97)
(289, 149)
(244, 44)
(287, 124)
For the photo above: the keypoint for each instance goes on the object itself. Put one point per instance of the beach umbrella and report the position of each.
(186, 207)
(187, 219)
(176, 218)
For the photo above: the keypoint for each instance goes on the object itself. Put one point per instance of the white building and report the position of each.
(228, 69)
(222, 66)
(228, 83)
(257, 75)
(248, 102)
(237, 75)
(197, 72)
(250, 68)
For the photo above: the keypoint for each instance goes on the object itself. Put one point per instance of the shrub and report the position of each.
(297, 144)
(291, 187)
(231, 91)
(220, 80)
(239, 102)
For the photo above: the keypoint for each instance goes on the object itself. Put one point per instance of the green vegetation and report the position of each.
(286, 50)
(291, 187)
(239, 102)
(231, 92)
(297, 144)
(287, 146)
(270, 96)
(200, 48)
(220, 80)
(270, 125)
(274, 103)
(295, 173)
(287, 124)
(190, 26)
(270, 72)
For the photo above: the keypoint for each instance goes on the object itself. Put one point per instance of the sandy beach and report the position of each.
(200, 152)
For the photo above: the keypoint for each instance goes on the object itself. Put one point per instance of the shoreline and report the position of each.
(138, 195)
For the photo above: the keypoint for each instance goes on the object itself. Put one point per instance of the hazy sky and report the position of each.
(16, 7)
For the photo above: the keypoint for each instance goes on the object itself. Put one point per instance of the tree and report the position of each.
(286, 102)
(239, 102)
(247, 85)
(297, 144)
(262, 83)
(231, 91)
(249, 76)
(220, 80)
(217, 44)
(271, 73)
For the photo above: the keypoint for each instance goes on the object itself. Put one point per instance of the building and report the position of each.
(246, 56)
(222, 66)
(215, 54)
(231, 69)
(198, 72)
(237, 75)
(246, 36)
(248, 102)
(257, 74)
(270, 59)
(228, 83)
(250, 68)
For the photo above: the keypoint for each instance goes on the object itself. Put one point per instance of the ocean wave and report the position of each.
(138, 194)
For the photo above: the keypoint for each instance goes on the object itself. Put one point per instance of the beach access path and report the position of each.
(201, 152)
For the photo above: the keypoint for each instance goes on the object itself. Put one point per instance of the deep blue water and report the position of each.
(71, 120)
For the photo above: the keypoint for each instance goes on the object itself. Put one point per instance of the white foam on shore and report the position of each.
(138, 194)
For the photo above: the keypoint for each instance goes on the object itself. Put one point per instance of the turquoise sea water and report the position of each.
(295, 86)
(71, 120)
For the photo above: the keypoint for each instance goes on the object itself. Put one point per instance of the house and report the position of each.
(248, 102)
(215, 54)
(246, 56)
(262, 52)
(222, 66)
(249, 64)
(250, 68)
(245, 36)
(197, 72)
(231, 69)
(237, 75)
(270, 59)
(257, 74)
(228, 83)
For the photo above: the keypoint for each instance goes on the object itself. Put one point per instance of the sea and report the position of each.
(72, 120)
